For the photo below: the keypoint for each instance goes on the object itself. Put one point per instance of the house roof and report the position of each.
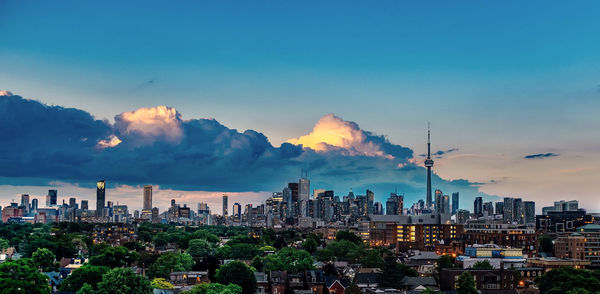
(366, 278)
(418, 281)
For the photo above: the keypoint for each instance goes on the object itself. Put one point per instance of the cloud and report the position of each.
(440, 153)
(332, 133)
(156, 146)
(540, 155)
(147, 125)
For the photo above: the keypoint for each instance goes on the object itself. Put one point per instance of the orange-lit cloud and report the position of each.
(112, 141)
(332, 132)
(151, 122)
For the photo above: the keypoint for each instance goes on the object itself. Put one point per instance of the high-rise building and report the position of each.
(509, 210)
(378, 208)
(84, 205)
(428, 164)
(478, 207)
(225, 211)
(394, 204)
(371, 200)
(529, 211)
(72, 202)
(25, 200)
(34, 205)
(303, 194)
(147, 198)
(488, 208)
(100, 198)
(500, 207)
(237, 211)
(454, 202)
(462, 215)
(446, 204)
(438, 201)
(51, 197)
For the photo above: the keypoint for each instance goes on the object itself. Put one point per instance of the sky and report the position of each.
(202, 96)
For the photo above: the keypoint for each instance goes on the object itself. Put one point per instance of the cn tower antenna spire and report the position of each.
(428, 165)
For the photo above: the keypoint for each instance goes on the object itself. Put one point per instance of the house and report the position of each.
(335, 285)
(366, 280)
(54, 279)
(262, 283)
(412, 283)
(487, 281)
(315, 281)
(278, 282)
(189, 278)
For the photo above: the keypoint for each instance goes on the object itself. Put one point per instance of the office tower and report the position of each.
(378, 208)
(51, 197)
(287, 198)
(454, 202)
(237, 211)
(100, 198)
(509, 210)
(478, 207)
(147, 198)
(295, 206)
(488, 209)
(438, 201)
(225, 211)
(84, 205)
(34, 204)
(203, 208)
(72, 202)
(394, 204)
(370, 201)
(428, 164)
(303, 194)
(462, 215)
(572, 205)
(25, 200)
(519, 211)
(500, 208)
(446, 204)
(529, 211)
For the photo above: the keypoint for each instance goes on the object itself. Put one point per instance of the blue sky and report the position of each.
(499, 81)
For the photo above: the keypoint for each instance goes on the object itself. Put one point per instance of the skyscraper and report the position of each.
(84, 205)
(446, 204)
(225, 211)
(25, 200)
(303, 193)
(51, 197)
(34, 205)
(147, 198)
(428, 164)
(488, 208)
(72, 202)
(371, 200)
(100, 198)
(454, 202)
(529, 211)
(500, 207)
(237, 211)
(438, 201)
(478, 207)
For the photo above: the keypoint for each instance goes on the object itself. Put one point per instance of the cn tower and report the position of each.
(428, 164)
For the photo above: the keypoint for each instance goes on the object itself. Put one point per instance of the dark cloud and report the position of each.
(158, 147)
(440, 153)
(540, 155)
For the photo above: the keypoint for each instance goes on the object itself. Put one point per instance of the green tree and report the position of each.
(169, 262)
(114, 257)
(244, 251)
(215, 288)
(206, 235)
(289, 259)
(86, 274)
(349, 236)
(372, 258)
(200, 248)
(546, 244)
(160, 240)
(352, 289)
(483, 264)
(3, 244)
(22, 276)
(161, 283)
(238, 273)
(578, 291)
(393, 273)
(310, 245)
(563, 279)
(466, 284)
(445, 261)
(123, 281)
(257, 263)
(45, 260)
(86, 289)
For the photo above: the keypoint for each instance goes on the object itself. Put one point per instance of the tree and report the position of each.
(114, 257)
(483, 264)
(123, 281)
(257, 263)
(3, 244)
(372, 258)
(160, 240)
(45, 260)
(310, 245)
(563, 279)
(22, 276)
(238, 273)
(86, 274)
(349, 236)
(86, 289)
(289, 259)
(352, 289)
(546, 244)
(200, 248)
(169, 262)
(215, 288)
(161, 283)
(393, 273)
(466, 284)
(578, 291)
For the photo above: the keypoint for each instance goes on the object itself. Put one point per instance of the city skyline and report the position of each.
(509, 89)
